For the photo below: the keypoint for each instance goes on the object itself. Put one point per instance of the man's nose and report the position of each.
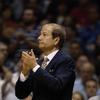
(39, 38)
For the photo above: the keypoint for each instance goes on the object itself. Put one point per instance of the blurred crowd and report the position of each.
(20, 24)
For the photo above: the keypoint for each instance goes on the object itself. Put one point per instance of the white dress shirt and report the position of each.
(94, 98)
(50, 57)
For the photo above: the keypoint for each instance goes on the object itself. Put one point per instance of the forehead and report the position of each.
(90, 83)
(47, 28)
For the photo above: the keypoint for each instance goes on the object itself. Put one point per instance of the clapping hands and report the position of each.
(28, 61)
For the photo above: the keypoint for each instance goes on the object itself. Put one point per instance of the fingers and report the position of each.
(24, 55)
(28, 54)
(32, 53)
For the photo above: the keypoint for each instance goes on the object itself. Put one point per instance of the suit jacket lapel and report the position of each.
(55, 59)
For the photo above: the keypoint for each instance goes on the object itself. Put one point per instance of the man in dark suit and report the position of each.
(52, 80)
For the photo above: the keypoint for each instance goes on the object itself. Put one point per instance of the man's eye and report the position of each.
(44, 34)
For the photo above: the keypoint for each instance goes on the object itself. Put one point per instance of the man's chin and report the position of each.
(41, 47)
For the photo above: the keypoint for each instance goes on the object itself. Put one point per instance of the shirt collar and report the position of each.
(51, 55)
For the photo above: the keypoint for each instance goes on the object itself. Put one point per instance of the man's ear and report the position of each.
(57, 39)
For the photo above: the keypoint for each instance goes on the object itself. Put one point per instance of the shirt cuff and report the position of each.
(22, 77)
(36, 68)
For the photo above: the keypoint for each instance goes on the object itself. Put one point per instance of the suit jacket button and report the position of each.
(51, 70)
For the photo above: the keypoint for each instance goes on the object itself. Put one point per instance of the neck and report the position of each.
(47, 52)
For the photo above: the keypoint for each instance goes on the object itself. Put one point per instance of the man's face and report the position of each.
(86, 71)
(80, 61)
(28, 16)
(91, 88)
(46, 41)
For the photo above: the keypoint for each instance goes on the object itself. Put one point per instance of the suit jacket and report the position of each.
(53, 83)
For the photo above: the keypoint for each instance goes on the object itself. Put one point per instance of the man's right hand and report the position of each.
(24, 68)
(28, 62)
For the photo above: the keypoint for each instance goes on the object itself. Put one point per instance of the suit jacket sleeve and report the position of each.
(23, 89)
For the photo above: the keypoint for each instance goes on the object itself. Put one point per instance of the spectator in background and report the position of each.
(3, 56)
(79, 63)
(6, 37)
(68, 21)
(77, 96)
(91, 87)
(7, 34)
(94, 98)
(7, 78)
(8, 87)
(7, 17)
(75, 49)
(87, 72)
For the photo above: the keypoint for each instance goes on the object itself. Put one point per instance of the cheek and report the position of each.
(43, 44)
(49, 43)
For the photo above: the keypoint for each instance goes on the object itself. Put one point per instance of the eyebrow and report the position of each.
(43, 32)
